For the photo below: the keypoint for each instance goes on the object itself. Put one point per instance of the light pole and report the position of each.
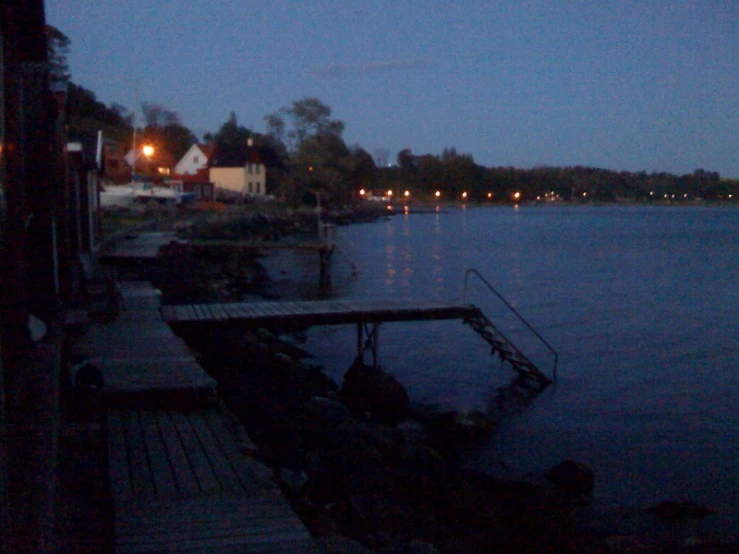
(147, 150)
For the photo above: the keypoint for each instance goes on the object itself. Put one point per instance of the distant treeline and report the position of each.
(453, 174)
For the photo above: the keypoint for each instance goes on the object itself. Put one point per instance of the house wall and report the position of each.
(239, 180)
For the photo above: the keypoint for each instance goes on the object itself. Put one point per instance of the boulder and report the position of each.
(371, 390)
(327, 410)
(572, 477)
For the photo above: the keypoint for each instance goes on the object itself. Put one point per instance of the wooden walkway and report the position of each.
(183, 485)
(139, 353)
(318, 312)
(182, 475)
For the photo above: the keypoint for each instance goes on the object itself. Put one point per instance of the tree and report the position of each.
(231, 139)
(307, 118)
(156, 115)
(58, 48)
(87, 115)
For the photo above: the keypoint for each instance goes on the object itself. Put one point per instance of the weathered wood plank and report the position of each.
(161, 469)
(199, 461)
(118, 468)
(138, 457)
(251, 480)
(183, 473)
(222, 467)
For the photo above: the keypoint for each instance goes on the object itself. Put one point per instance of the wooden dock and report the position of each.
(182, 474)
(318, 312)
(366, 314)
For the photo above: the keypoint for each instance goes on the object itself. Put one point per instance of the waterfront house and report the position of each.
(194, 160)
(239, 174)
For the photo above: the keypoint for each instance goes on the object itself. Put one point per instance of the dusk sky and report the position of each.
(628, 85)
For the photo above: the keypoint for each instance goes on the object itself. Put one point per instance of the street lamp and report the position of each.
(147, 150)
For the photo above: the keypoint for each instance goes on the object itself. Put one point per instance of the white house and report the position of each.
(195, 158)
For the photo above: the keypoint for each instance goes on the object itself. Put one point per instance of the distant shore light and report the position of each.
(437, 193)
(389, 192)
(407, 193)
(362, 192)
(464, 195)
(516, 195)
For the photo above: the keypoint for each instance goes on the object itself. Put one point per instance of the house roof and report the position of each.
(237, 157)
(207, 149)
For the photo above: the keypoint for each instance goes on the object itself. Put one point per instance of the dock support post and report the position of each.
(368, 337)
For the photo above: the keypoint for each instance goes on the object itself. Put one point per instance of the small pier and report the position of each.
(141, 247)
(182, 471)
(367, 315)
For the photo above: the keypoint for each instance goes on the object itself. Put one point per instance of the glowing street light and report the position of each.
(464, 195)
(389, 192)
(437, 193)
(516, 195)
(407, 193)
(490, 194)
(148, 150)
(362, 192)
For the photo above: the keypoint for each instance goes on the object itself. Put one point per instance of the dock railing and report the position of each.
(491, 288)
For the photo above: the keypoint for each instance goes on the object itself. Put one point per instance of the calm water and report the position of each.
(642, 304)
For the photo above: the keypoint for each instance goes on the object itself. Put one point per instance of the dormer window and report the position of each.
(196, 159)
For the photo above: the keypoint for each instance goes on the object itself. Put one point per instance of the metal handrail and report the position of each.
(519, 316)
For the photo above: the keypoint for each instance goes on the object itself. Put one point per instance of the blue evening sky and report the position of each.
(619, 84)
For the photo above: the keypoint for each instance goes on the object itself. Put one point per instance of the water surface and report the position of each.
(641, 303)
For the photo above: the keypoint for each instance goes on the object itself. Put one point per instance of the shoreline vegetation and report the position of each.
(365, 468)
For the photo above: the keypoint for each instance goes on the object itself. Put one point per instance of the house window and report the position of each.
(195, 159)
(259, 188)
(258, 168)
(248, 168)
(250, 187)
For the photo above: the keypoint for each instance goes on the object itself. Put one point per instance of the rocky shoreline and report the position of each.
(369, 472)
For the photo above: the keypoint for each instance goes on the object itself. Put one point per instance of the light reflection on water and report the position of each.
(642, 304)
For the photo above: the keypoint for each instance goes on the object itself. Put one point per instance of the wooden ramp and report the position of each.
(181, 484)
(319, 312)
